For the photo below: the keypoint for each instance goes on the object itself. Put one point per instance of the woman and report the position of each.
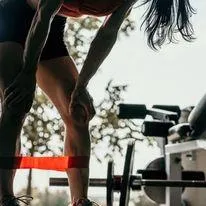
(32, 51)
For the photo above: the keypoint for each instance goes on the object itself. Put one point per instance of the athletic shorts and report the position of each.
(15, 20)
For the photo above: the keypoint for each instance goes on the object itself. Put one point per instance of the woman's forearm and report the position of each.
(116, 19)
(99, 50)
(102, 45)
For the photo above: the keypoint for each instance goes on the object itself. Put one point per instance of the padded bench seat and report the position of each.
(196, 126)
(180, 132)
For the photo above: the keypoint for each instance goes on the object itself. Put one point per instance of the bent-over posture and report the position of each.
(32, 51)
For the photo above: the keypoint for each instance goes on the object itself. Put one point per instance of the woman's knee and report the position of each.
(11, 61)
(19, 110)
(80, 114)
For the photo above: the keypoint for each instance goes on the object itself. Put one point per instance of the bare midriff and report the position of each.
(77, 8)
(90, 7)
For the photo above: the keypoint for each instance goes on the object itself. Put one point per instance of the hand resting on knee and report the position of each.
(81, 106)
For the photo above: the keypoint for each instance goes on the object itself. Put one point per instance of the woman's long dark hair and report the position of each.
(164, 18)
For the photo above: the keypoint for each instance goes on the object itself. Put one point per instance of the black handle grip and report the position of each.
(171, 108)
(132, 111)
(156, 128)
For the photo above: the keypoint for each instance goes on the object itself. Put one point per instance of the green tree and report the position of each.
(80, 32)
(108, 128)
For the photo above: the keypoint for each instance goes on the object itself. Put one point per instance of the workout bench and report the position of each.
(175, 137)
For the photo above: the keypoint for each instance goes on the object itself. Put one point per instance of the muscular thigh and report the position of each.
(11, 54)
(57, 77)
(10, 62)
(15, 21)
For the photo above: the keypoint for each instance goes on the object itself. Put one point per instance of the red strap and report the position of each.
(45, 163)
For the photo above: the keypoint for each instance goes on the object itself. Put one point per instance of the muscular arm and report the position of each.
(38, 33)
(102, 45)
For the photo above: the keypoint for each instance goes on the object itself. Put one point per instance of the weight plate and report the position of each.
(156, 194)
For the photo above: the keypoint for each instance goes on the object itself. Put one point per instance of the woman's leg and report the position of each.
(11, 118)
(57, 78)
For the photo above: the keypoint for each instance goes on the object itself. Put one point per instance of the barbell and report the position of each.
(127, 182)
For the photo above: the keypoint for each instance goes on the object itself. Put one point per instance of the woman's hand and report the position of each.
(21, 90)
(81, 105)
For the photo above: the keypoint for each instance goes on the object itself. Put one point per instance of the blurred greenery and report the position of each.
(80, 32)
(107, 129)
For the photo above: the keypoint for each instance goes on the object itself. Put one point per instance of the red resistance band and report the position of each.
(45, 163)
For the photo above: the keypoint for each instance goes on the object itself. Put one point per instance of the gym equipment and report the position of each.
(196, 126)
(193, 130)
(173, 167)
(126, 178)
(156, 170)
(139, 111)
(196, 118)
(156, 128)
(109, 183)
(164, 117)
(187, 137)
(112, 183)
(180, 132)
(125, 183)
(172, 177)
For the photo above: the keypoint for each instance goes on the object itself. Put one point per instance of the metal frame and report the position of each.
(173, 167)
